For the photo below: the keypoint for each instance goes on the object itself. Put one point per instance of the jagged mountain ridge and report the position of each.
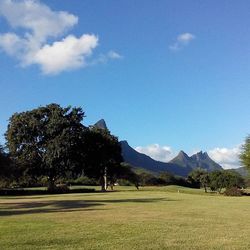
(140, 160)
(181, 165)
(198, 160)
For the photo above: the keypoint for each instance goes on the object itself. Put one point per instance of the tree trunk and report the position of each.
(104, 180)
(51, 184)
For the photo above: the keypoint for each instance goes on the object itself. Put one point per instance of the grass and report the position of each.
(152, 218)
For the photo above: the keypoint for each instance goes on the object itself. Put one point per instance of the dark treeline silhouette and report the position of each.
(50, 144)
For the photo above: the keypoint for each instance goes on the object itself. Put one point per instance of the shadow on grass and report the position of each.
(16, 192)
(34, 207)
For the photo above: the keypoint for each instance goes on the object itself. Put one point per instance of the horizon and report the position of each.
(165, 76)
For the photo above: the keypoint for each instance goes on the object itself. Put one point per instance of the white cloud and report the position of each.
(36, 39)
(36, 17)
(157, 152)
(104, 58)
(226, 157)
(182, 40)
(114, 55)
(11, 43)
(70, 53)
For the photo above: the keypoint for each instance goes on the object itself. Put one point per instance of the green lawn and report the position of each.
(152, 218)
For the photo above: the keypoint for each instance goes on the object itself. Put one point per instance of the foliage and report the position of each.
(126, 175)
(102, 155)
(124, 182)
(62, 188)
(7, 170)
(147, 179)
(199, 177)
(167, 178)
(233, 191)
(245, 154)
(225, 179)
(217, 181)
(46, 141)
(83, 180)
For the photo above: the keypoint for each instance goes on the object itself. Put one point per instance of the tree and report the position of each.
(217, 180)
(125, 172)
(233, 179)
(102, 155)
(46, 141)
(7, 169)
(167, 178)
(4, 163)
(245, 154)
(220, 179)
(199, 177)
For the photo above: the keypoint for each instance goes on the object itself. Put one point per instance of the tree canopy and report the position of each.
(245, 154)
(199, 177)
(45, 140)
(102, 154)
(4, 162)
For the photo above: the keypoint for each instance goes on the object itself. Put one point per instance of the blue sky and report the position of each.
(165, 75)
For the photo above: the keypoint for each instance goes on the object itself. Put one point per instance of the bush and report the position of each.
(62, 188)
(233, 191)
(84, 180)
(124, 182)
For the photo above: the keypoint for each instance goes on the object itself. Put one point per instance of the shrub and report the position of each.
(233, 191)
(84, 180)
(124, 182)
(62, 188)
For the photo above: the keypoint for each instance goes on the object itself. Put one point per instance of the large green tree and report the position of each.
(245, 154)
(102, 155)
(46, 141)
(199, 177)
(220, 179)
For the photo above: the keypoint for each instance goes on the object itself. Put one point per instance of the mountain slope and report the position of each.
(242, 171)
(181, 165)
(199, 160)
(137, 159)
(204, 161)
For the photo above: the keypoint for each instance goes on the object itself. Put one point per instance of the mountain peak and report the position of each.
(124, 142)
(182, 154)
(101, 124)
(200, 155)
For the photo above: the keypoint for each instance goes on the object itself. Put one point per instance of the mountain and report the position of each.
(242, 171)
(204, 161)
(101, 124)
(140, 160)
(199, 160)
(181, 165)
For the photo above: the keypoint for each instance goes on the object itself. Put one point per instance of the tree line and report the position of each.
(50, 144)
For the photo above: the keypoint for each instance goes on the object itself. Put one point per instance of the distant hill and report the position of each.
(140, 160)
(242, 171)
(181, 165)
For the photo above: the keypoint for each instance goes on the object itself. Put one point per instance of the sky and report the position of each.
(165, 75)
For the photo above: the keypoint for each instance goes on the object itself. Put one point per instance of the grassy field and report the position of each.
(152, 218)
